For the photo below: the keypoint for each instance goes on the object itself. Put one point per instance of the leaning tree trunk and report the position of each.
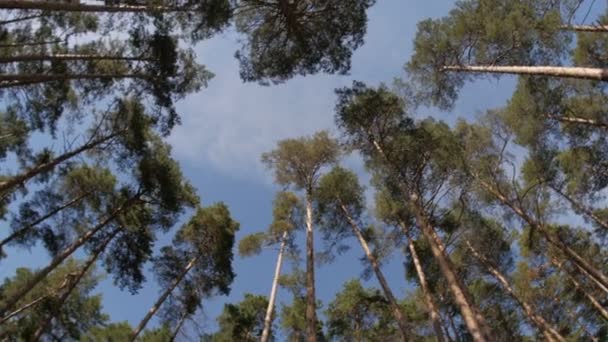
(426, 292)
(178, 327)
(77, 7)
(592, 272)
(48, 166)
(550, 333)
(67, 57)
(273, 290)
(161, 300)
(473, 319)
(56, 310)
(594, 301)
(21, 231)
(311, 317)
(399, 316)
(471, 315)
(598, 74)
(582, 208)
(578, 121)
(585, 28)
(22, 80)
(59, 258)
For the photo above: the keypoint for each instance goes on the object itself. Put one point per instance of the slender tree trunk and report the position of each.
(14, 80)
(178, 327)
(311, 316)
(585, 28)
(161, 300)
(399, 316)
(550, 333)
(554, 240)
(20, 19)
(472, 317)
(582, 208)
(577, 120)
(426, 292)
(598, 74)
(594, 302)
(48, 166)
(59, 258)
(273, 290)
(72, 286)
(22, 44)
(25, 307)
(21, 231)
(67, 57)
(76, 7)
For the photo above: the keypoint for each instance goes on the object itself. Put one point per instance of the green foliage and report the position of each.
(243, 321)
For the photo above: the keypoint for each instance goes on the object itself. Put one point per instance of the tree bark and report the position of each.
(397, 313)
(68, 57)
(48, 166)
(550, 333)
(48, 215)
(25, 307)
(161, 300)
(579, 261)
(16, 80)
(72, 285)
(585, 28)
(578, 120)
(273, 290)
(598, 74)
(426, 292)
(580, 207)
(59, 258)
(594, 302)
(311, 316)
(178, 327)
(472, 317)
(76, 7)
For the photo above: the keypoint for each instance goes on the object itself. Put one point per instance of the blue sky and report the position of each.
(226, 127)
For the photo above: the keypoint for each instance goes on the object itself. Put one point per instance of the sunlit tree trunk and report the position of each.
(311, 317)
(582, 208)
(21, 231)
(585, 28)
(72, 284)
(48, 166)
(550, 333)
(60, 257)
(578, 121)
(399, 316)
(273, 290)
(21, 80)
(598, 74)
(76, 7)
(161, 300)
(426, 292)
(67, 57)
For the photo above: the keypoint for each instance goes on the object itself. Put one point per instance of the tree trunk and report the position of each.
(19, 232)
(594, 302)
(399, 316)
(59, 258)
(67, 57)
(426, 292)
(473, 319)
(178, 327)
(550, 333)
(580, 207)
(48, 166)
(25, 307)
(578, 120)
(554, 240)
(72, 285)
(161, 300)
(273, 290)
(311, 317)
(76, 7)
(16, 80)
(598, 74)
(585, 28)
